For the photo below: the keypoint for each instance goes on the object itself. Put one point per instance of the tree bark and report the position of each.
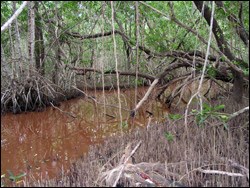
(18, 43)
(39, 44)
(58, 53)
(222, 44)
(31, 38)
(13, 62)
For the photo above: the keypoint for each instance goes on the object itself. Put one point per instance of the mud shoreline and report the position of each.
(207, 147)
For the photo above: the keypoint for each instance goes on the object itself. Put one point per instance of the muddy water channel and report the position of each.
(42, 143)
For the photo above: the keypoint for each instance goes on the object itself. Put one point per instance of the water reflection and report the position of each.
(42, 143)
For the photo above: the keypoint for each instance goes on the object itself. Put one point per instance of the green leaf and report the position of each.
(246, 72)
(211, 71)
(12, 177)
(194, 111)
(174, 116)
(124, 124)
(169, 136)
(224, 118)
(20, 175)
(219, 107)
(206, 108)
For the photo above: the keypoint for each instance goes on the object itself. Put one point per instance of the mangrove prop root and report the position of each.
(28, 95)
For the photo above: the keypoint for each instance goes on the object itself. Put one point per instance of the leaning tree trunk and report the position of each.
(222, 44)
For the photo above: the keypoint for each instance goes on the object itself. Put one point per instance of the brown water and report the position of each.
(42, 143)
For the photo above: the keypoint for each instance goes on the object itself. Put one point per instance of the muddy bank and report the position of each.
(183, 155)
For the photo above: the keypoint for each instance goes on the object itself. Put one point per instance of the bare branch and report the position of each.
(239, 112)
(150, 89)
(124, 164)
(204, 67)
(6, 25)
(85, 70)
(68, 113)
(166, 16)
(221, 172)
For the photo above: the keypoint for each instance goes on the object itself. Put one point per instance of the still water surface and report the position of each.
(42, 143)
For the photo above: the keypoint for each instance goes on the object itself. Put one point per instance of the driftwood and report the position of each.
(141, 174)
(220, 172)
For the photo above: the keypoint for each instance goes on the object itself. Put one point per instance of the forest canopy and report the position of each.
(51, 47)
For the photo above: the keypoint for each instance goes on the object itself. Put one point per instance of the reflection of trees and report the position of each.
(54, 136)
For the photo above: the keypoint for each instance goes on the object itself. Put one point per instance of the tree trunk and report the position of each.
(222, 44)
(31, 34)
(13, 62)
(58, 49)
(18, 42)
(39, 44)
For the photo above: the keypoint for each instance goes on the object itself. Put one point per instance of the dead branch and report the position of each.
(164, 87)
(239, 112)
(150, 89)
(15, 15)
(97, 102)
(174, 53)
(240, 167)
(220, 172)
(68, 113)
(83, 71)
(144, 174)
(166, 16)
(124, 164)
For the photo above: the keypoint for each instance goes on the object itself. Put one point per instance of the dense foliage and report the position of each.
(157, 40)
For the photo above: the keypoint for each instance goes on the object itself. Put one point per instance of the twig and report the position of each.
(238, 166)
(233, 115)
(109, 115)
(68, 113)
(150, 89)
(166, 16)
(99, 102)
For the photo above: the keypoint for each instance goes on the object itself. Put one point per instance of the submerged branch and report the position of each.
(68, 113)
